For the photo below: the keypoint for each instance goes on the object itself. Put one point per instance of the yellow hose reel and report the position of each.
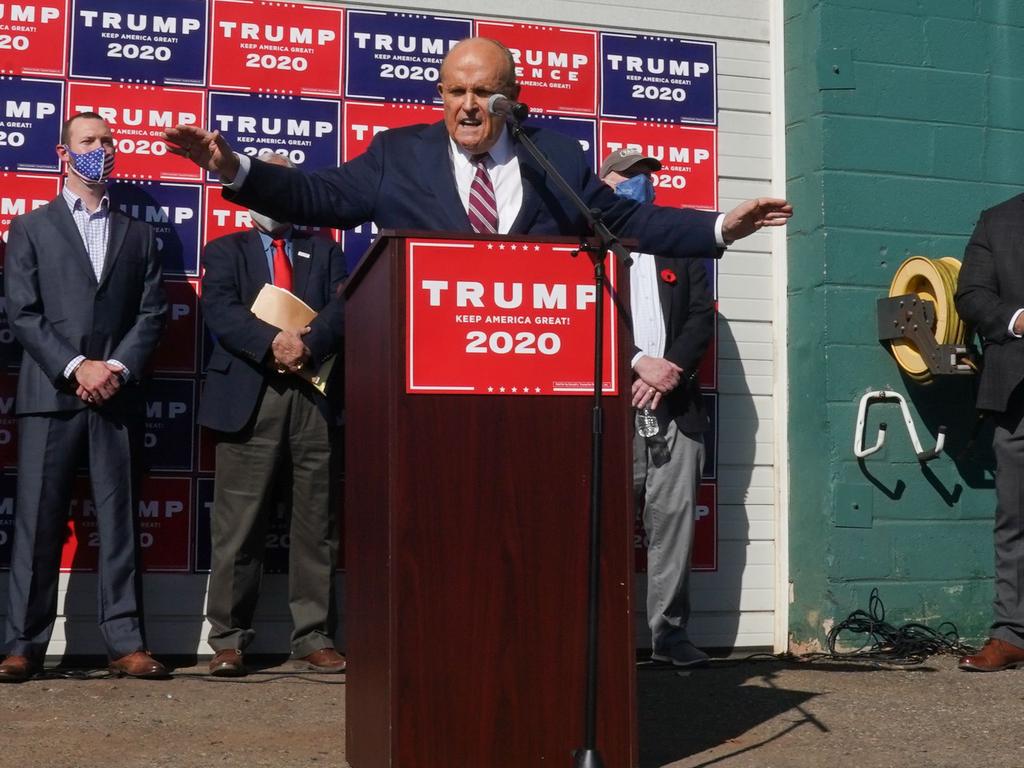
(920, 322)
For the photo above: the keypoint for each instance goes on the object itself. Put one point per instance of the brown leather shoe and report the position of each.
(138, 664)
(996, 655)
(17, 669)
(227, 662)
(325, 660)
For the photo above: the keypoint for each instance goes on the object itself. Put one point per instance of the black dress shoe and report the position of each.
(17, 669)
(227, 663)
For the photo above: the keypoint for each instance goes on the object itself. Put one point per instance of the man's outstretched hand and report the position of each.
(207, 149)
(750, 215)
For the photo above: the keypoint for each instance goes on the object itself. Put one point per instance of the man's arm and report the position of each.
(977, 297)
(690, 344)
(25, 310)
(135, 349)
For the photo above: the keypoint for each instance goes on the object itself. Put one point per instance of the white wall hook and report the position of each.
(882, 395)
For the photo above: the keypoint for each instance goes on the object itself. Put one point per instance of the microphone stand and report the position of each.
(595, 247)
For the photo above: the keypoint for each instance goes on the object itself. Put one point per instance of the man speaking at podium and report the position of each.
(466, 174)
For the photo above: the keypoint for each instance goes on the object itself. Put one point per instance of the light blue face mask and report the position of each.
(639, 188)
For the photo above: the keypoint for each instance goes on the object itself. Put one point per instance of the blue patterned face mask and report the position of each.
(639, 188)
(93, 166)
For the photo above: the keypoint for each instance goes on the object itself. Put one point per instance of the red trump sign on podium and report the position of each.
(504, 318)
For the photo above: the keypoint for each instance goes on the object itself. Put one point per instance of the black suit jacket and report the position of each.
(235, 270)
(58, 310)
(990, 290)
(689, 311)
(404, 181)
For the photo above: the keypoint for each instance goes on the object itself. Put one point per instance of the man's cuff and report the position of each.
(124, 373)
(719, 237)
(636, 359)
(1013, 322)
(76, 361)
(243, 170)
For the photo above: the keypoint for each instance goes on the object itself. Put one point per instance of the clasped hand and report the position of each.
(289, 351)
(656, 376)
(97, 380)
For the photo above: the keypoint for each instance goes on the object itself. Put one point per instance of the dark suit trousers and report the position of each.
(288, 444)
(1008, 443)
(49, 449)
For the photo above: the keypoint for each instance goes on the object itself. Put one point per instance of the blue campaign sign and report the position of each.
(355, 242)
(174, 212)
(711, 437)
(277, 541)
(583, 129)
(658, 78)
(30, 123)
(168, 440)
(204, 509)
(307, 131)
(396, 56)
(140, 41)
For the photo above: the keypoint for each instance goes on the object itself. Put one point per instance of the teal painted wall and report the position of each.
(904, 118)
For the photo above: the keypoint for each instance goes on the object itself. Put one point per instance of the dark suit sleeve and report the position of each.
(978, 297)
(138, 344)
(342, 197)
(327, 328)
(689, 345)
(225, 310)
(25, 310)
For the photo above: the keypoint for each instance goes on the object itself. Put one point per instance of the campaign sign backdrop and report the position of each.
(8, 422)
(33, 111)
(139, 41)
(688, 155)
(306, 131)
(169, 424)
(82, 536)
(363, 121)
(10, 349)
(19, 194)
(165, 524)
(177, 350)
(138, 115)
(8, 489)
(583, 129)
(711, 437)
(204, 508)
(658, 78)
(556, 66)
(34, 37)
(707, 371)
(397, 56)
(221, 217)
(291, 48)
(704, 553)
(173, 210)
(472, 330)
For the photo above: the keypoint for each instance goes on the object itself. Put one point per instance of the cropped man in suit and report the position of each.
(85, 301)
(275, 430)
(466, 174)
(673, 315)
(990, 297)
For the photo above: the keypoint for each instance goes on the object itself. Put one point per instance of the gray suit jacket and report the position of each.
(58, 310)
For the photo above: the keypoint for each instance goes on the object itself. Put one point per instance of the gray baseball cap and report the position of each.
(623, 159)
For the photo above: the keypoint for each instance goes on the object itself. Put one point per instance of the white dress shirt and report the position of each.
(645, 308)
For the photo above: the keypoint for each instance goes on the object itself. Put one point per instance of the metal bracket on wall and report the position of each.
(882, 395)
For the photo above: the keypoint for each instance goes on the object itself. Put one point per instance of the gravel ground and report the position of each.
(757, 714)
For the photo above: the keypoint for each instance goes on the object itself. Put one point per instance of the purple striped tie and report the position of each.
(483, 208)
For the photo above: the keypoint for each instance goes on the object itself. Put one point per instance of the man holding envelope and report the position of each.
(271, 299)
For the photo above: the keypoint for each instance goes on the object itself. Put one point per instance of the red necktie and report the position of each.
(282, 267)
(483, 209)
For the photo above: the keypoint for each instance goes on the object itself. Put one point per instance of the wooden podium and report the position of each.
(466, 525)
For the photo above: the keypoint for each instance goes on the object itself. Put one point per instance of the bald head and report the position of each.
(474, 70)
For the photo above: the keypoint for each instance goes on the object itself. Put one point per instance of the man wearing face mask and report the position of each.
(673, 318)
(276, 435)
(86, 303)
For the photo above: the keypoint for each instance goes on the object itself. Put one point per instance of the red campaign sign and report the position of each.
(473, 330)
(704, 555)
(364, 121)
(221, 217)
(688, 155)
(177, 350)
(556, 66)
(34, 37)
(8, 422)
(253, 50)
(165, 526)
(138, 115)
(19, 194)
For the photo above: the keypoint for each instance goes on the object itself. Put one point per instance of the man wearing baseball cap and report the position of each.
(673, 321)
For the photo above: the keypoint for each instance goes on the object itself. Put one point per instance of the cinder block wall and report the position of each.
(904, 120)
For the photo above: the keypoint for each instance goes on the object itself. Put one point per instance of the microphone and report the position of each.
(503, 106)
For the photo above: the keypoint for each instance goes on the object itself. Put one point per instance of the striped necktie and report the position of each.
(483, 208)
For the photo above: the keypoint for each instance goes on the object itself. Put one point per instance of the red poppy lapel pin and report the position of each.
(669, 276)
